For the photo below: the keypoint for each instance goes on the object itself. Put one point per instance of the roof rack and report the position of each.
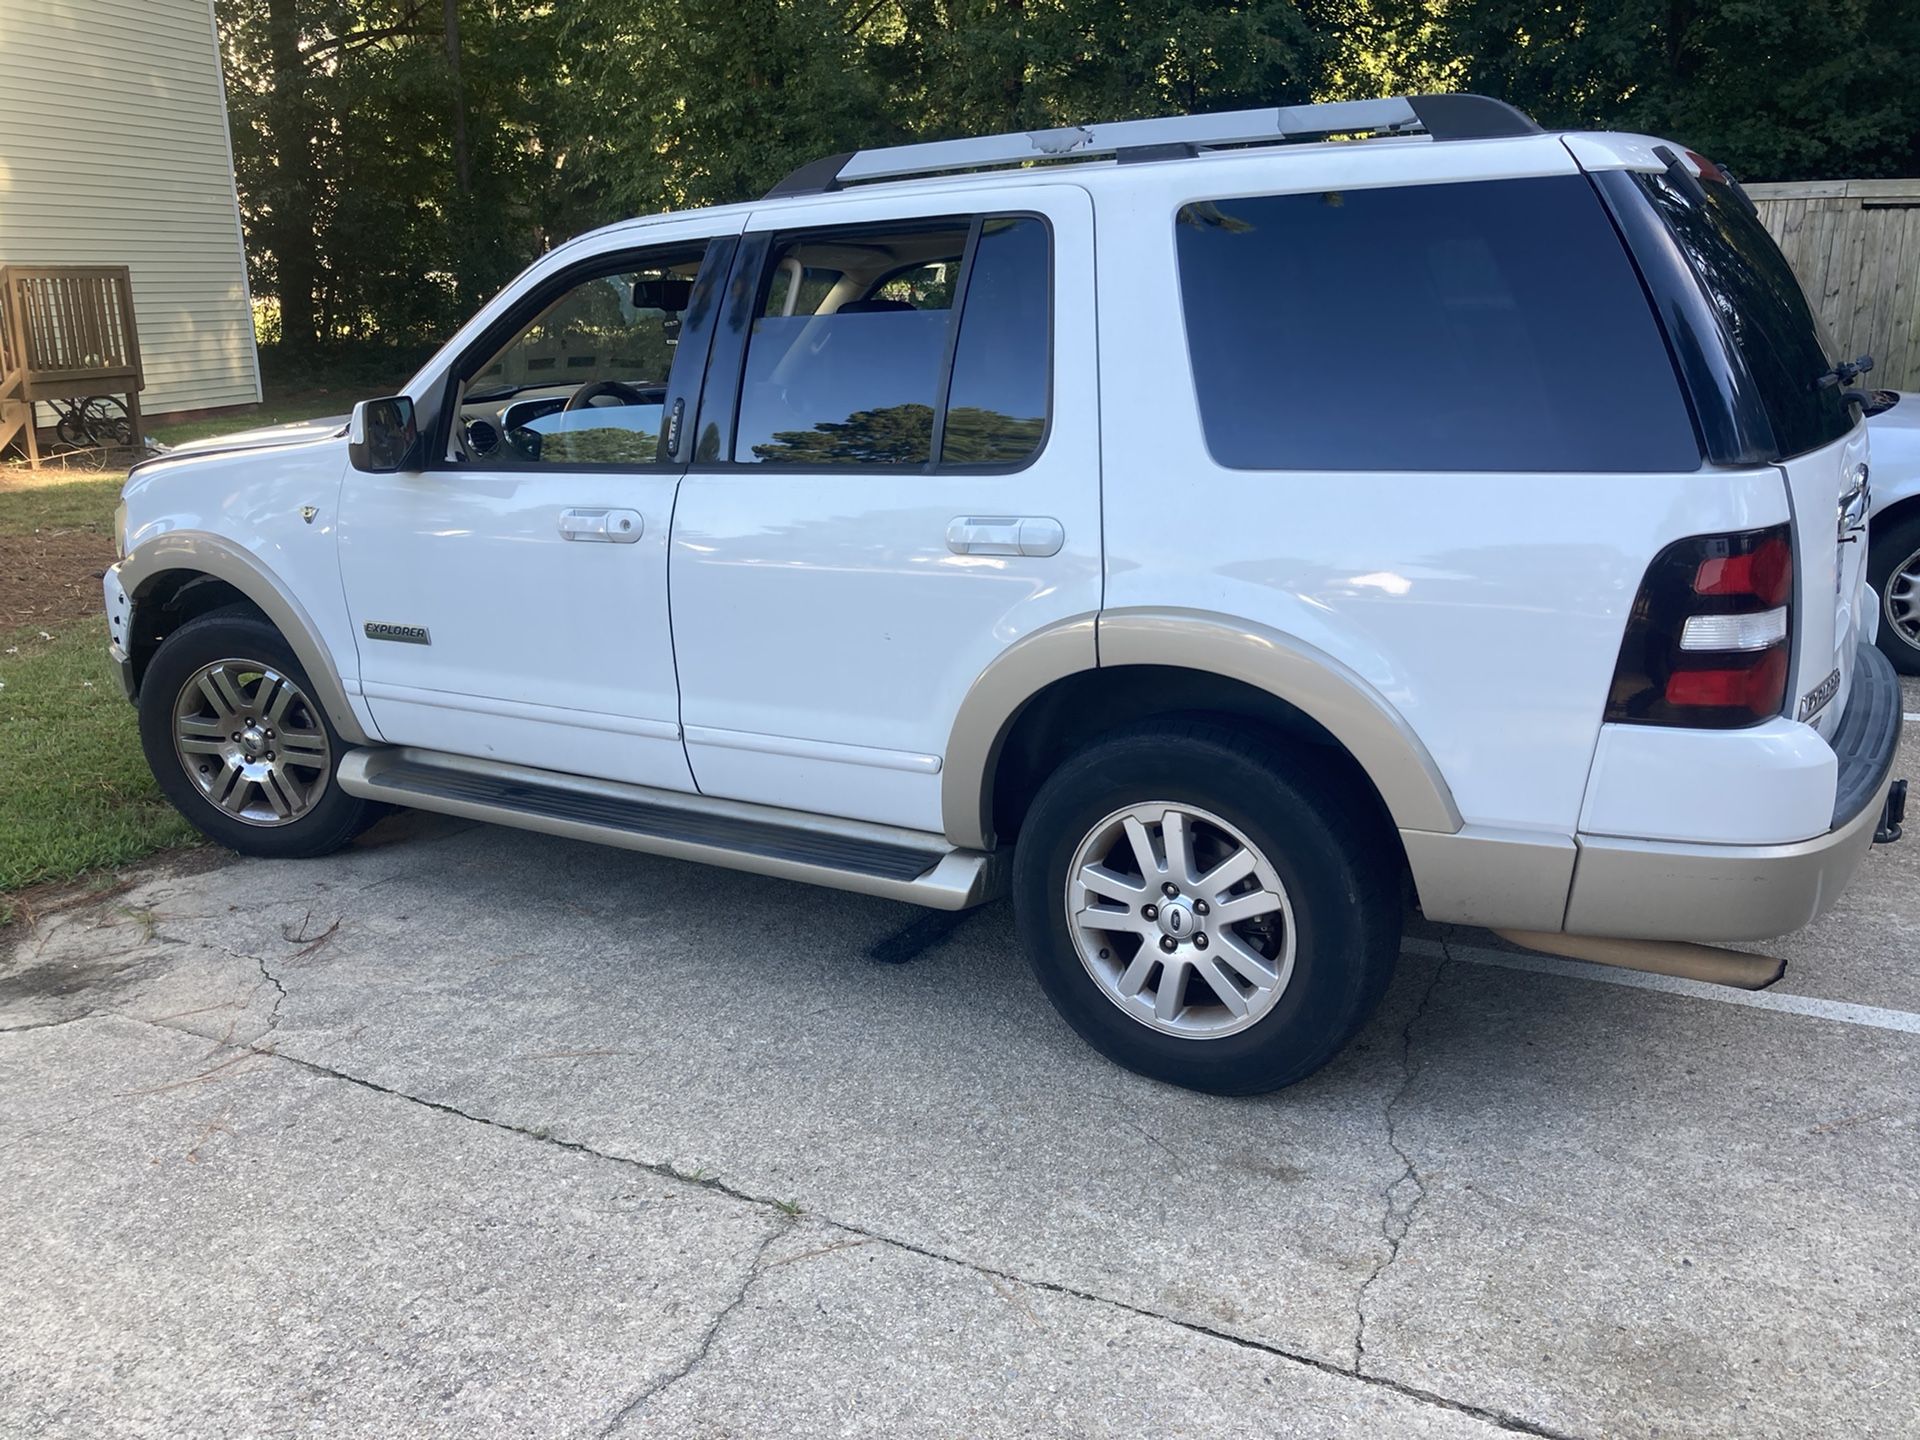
(1440, 117)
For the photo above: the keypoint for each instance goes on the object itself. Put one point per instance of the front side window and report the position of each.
(585, 382)
(877, 347)
(1490, 325)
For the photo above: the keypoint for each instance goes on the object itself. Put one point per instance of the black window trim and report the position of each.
(747, 289)
(715, 264)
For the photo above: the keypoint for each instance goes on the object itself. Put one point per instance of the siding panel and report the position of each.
(113, 151)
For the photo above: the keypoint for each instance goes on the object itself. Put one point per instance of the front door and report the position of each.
(896, 478)
(510, 598)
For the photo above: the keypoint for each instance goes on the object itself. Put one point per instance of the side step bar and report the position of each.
(909, 865)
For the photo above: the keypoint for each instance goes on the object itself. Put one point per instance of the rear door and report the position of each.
(1819, 440)
(896, 478)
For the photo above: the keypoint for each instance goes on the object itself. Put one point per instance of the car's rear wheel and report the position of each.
(1893, 569)
(240, 745)
(1204, 908)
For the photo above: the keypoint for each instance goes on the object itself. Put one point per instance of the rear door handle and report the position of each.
(1005, 535)
(617, 527)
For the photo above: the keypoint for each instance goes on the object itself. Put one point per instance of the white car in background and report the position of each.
(1893, 563)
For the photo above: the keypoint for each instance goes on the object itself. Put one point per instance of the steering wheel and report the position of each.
(587, 394)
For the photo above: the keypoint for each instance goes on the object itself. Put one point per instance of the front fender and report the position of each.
(141, 576)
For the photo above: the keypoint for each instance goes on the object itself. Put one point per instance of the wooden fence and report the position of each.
(1855, 244)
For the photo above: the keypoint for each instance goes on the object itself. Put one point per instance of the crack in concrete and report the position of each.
(279, 997)
(51, 1024)
(1397, 1217)
(755, 1268)
(1499, 1419)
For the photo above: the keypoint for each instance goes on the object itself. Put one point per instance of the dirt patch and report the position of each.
(51, 576)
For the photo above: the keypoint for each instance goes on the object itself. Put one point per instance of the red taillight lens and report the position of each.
(1757, 689)
(1765, 573)
(1721, 672)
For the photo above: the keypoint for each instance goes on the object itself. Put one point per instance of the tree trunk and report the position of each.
(462, 162)
(291, 219)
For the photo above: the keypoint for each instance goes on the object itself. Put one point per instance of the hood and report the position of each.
(297, 432)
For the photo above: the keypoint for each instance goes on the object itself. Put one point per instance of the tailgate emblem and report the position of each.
(1815, 700)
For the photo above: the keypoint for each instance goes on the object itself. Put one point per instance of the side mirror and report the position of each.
(382, 436)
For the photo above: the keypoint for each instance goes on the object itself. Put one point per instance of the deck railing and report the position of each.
(65, 331)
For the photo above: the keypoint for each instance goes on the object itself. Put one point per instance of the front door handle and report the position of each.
(618, 527)
(1005, 535)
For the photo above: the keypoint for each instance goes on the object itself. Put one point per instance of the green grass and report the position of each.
(76, 797)
(285, 410)
(75, 792)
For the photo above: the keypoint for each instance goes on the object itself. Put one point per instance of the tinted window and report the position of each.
(843, 367)
(585, 380)
(997, 404)
(1762, 308)
(1490, 325)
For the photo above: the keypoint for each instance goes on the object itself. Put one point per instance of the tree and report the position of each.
(1776, 89)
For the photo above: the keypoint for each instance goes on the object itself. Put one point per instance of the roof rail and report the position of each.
(1441, 117)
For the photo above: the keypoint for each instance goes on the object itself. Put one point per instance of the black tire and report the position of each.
(240, 632)
(1328, 846)
(1897, 549)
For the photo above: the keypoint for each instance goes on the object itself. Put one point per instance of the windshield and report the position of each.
(1762, 308)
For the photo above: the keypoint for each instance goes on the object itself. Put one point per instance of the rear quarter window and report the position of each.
(1761, 308)
(1488, 325)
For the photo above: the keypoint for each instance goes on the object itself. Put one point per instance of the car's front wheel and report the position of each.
(1205, 908)
(239, 744)
(1893, 569)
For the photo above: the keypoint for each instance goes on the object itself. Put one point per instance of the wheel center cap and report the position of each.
(253, 741)
(1177, 920)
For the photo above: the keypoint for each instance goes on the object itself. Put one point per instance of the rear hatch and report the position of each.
(1819, 441)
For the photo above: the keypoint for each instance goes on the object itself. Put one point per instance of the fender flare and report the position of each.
(1321, 686)
(202, 553)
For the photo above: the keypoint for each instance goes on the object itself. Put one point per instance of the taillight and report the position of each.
(1710, 635)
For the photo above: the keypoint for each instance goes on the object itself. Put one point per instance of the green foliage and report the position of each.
(395, 170)
(1776, 89)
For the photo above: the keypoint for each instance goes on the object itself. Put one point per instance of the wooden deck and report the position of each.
(65, 331)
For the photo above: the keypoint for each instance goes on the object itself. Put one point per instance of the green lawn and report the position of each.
(283, 411)
(76, 798)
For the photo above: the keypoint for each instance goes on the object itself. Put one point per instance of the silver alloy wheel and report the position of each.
(252, 742)
(1901, 605)
(1180, 920)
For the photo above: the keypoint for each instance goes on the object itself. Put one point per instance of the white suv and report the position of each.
(1202, 528)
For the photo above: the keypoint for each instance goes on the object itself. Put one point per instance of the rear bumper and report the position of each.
(1655, 890)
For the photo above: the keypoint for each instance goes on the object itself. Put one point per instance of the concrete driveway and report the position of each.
(467, 1131)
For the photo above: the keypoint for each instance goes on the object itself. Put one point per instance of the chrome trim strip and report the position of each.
(828, 750)
(521, 710)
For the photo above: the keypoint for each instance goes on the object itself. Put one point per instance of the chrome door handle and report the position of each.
(1005, 535)
(617, 527)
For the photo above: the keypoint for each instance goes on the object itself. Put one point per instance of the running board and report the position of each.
(909, 865)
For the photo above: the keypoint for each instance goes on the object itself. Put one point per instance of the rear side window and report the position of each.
(1761, 307)
(1489, 325)
(997, 404)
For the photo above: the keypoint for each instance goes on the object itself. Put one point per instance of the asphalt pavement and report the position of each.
(472, 1132)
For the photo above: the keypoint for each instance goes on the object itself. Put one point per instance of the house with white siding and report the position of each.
(114, 151)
